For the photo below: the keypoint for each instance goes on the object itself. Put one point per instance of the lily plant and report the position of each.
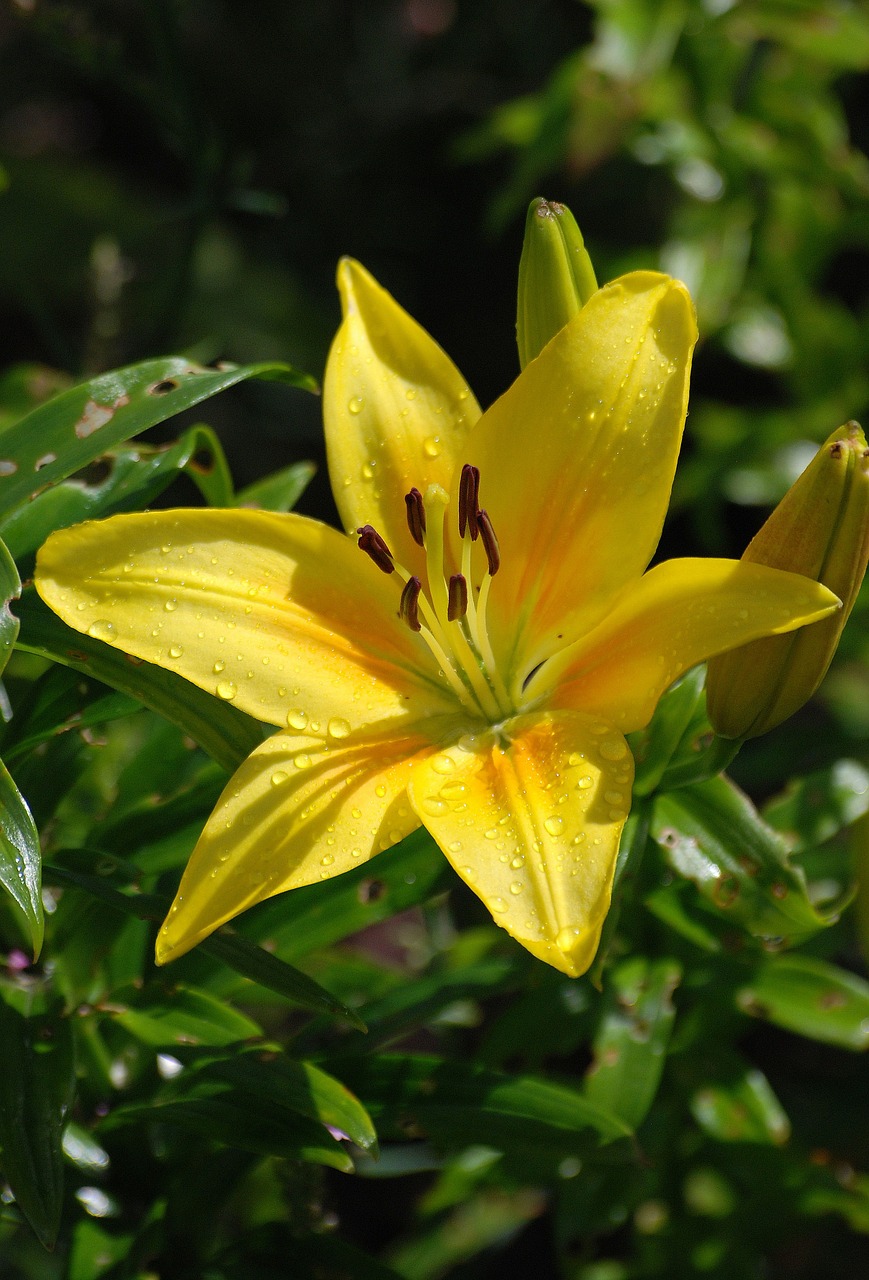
(472, 655)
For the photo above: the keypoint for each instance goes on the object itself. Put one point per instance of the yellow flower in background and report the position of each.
(472, 656)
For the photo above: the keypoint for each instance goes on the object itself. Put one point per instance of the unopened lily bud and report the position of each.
(821, 530)
(556, 277)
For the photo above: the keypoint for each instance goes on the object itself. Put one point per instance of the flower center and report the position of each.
(448, 611)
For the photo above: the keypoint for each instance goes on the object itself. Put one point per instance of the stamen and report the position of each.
(409, 608)
(415, 516)
(458, 597)
(469, 493)
(490, 542)
(373, 545)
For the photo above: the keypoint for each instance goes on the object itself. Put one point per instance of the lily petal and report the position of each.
(679, 613)
(297, 811)
(531, 819)
(279, 614)
(577, 460)
(395, 407)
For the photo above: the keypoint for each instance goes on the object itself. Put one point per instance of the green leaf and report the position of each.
(632, 847)
(64, 435)
(678, 719)
(123, 479)
(738, 1105)
(179, 1016)
(220, 729)
(271, 1077)
(631, 1042)
(810, 997)
(238, 953)
(59, 702)
(36, 1085)
(20, 861)
(712, 834)
(535, 1123)
(815, 808)
(10, 589)
(279, 491)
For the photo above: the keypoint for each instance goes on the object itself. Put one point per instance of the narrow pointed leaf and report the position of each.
(10, 589)
(78, 425)
(180, 1016)
(712, 834)
(20, 861)
(123, 479)
(738, 1105)
(812, 998)
(630, 1045)
(815, 808)
(36, 1083)
(279, 491)
(226, 733)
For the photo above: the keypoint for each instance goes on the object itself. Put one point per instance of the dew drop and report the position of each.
(469, 874)
(338, 728)
(327, 859)
(302, 760)
(431, 446)
(613, 797)
(453, 790)
(498, 904)
(518, 861)
(279, 777)
(574, 759)
(380, 790)
(566, 939)
(175, 651)
(443, 764)
(355, 853)
(367, 470)
(410, 393)
(584, 783)
(101, 629)
(554, 825)
(226, 690)
(218, 667)
(455, 846)
(170, 606)
(297, 719)
(435, 806)
(356, 405)
(516, 887)
(614, 749)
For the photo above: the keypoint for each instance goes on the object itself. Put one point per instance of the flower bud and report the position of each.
(820, 529)
(556, 277)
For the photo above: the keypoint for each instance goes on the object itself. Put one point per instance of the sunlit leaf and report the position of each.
(279, 491)
(180, 1016)
(813, 809)
(73, 428)
(811, 997)
(738, 1105)
(20, 861)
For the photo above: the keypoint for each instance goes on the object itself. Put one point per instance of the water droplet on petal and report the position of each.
(302, 760)
(567, 939)
(455, 846)
(327, 860)
(170, 606)
(297, 719)
(279, 777)
(356, 405)
(554, 825)
(226, 690)
(431, 446)
(380, 790)
(338, 728)
(497, 904)
(175, 651)
(443, 764)
(516, 887)
(613, 748)
(218, 667)
(518, 861)
(584, 783)
(435, 806)
(101, 629)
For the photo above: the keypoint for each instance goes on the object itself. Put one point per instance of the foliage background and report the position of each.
(182, 176)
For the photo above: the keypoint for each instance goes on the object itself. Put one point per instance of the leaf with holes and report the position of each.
(122, 479)
(68, 432)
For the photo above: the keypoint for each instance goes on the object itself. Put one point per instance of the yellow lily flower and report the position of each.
(473, 663)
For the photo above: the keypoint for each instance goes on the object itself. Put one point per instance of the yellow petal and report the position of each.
(531, 819)
(395, 407)
(297, 811)
(679, 613)
(280, 615)
(577, 461)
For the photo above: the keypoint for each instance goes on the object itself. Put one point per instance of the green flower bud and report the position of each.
(556, 277)
(820, 529)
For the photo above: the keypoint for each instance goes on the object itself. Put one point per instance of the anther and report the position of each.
(415, 516)
(373, 545)
(457, 605)
(469, 493)
(490, 542)
(408, 609)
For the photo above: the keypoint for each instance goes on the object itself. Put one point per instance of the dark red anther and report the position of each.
(415, 516)
(408, 609)
(490, 542)
(373, 545)
(457, 602)
(469, 493)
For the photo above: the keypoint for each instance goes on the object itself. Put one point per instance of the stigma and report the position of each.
(446, 605)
